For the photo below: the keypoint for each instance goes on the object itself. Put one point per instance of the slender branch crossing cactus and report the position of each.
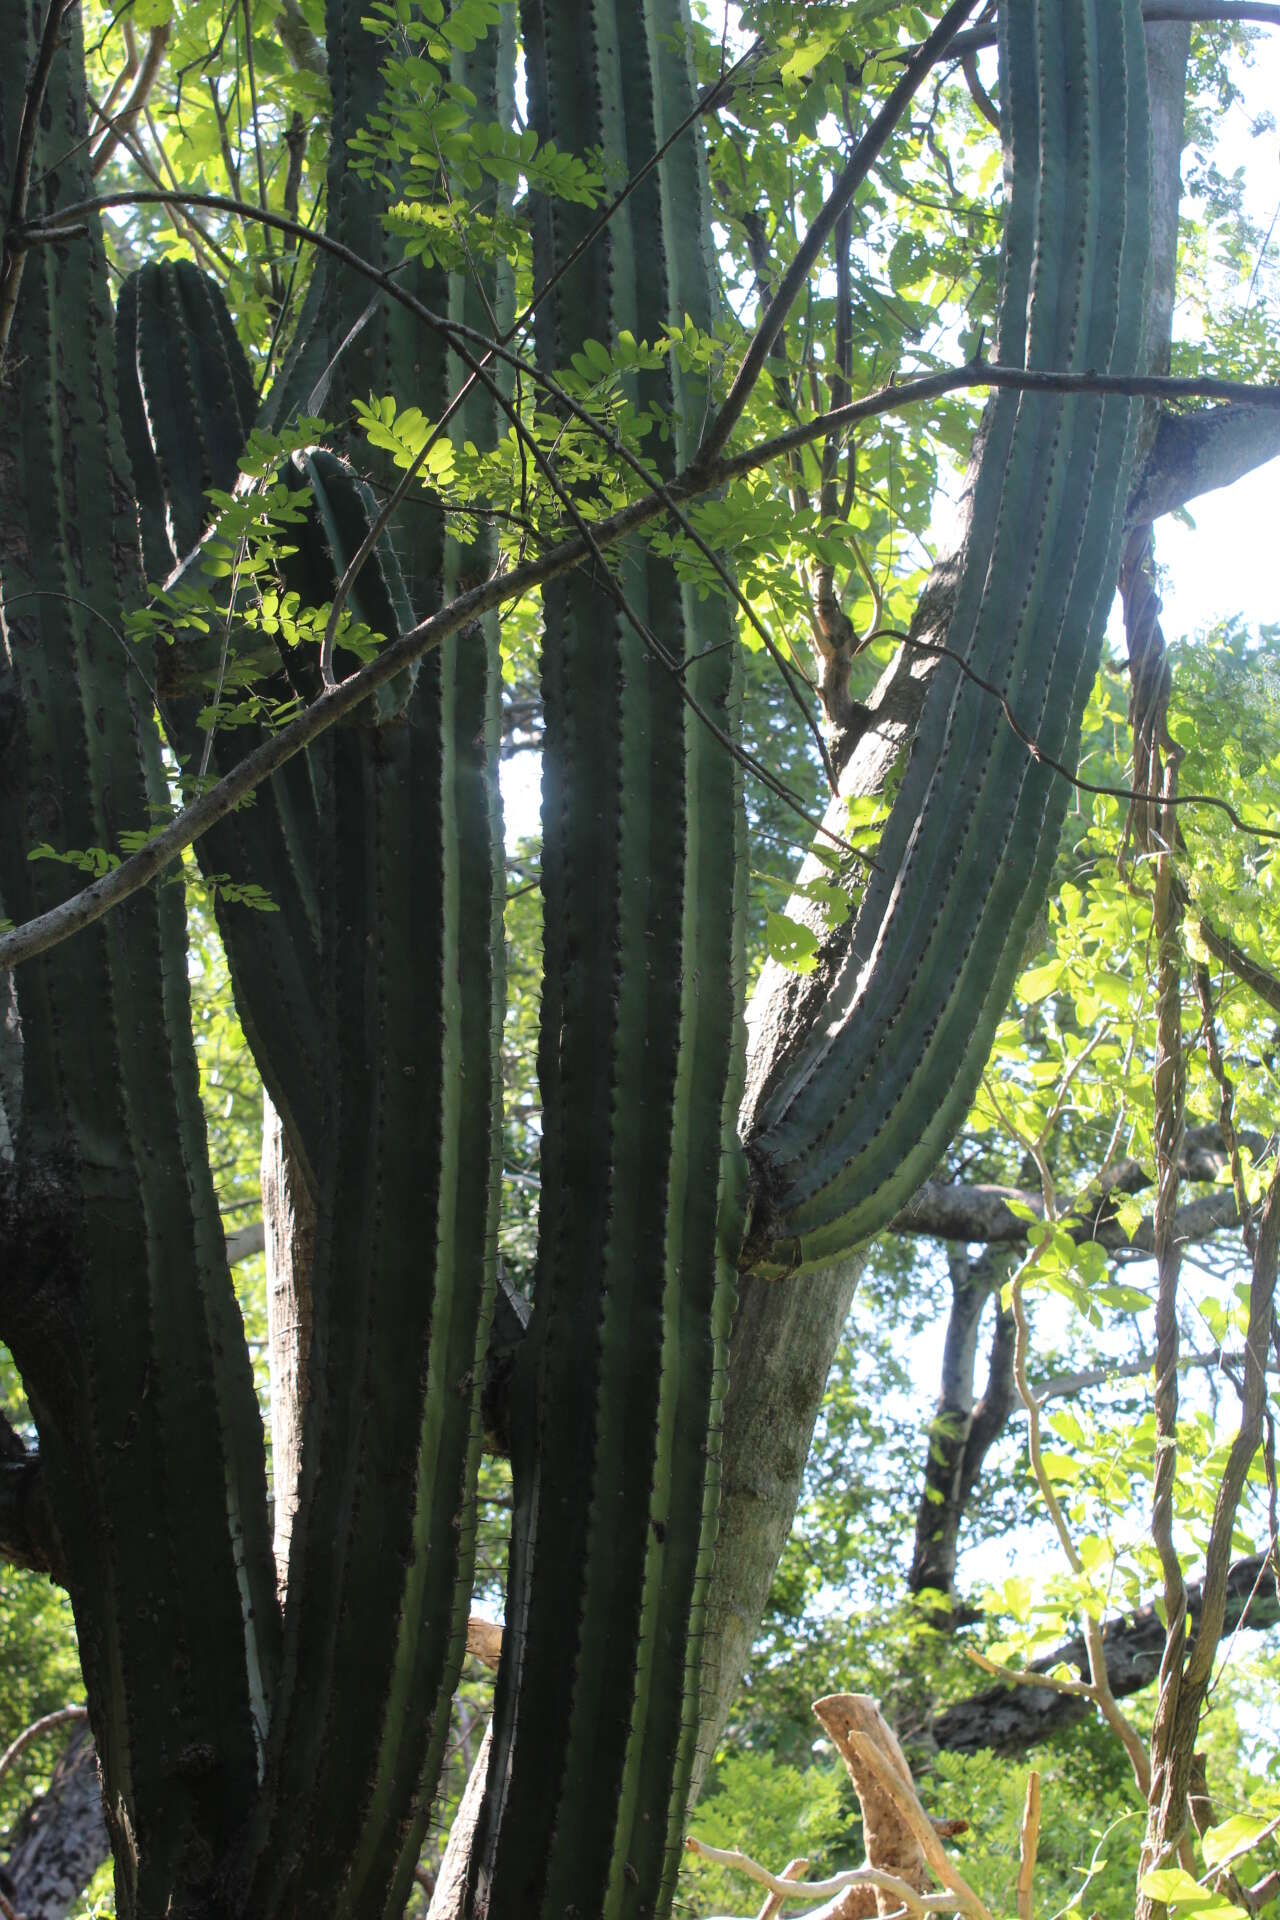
(275, 1766)
(383, 852)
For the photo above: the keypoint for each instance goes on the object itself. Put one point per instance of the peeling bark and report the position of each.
(887, 1839)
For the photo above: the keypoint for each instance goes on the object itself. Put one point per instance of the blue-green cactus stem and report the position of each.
(858, 1113)
(118, 1314)
(187, 402)
(410, 879)
(619, 1381)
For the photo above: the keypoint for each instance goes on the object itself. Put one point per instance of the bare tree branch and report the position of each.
(821, 227)
(123, 122)
(1009, 1720)
(1195, 453)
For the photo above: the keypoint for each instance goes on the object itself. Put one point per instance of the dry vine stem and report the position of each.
(903, 1848)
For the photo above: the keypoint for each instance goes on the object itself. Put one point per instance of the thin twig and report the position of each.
(91, 902)
(1029, 1677)
(272, 268)
(704, 479)
(1246, 969)
(1135, 795)
(1226, 1107)
(820, 1889)
(1099, 1688)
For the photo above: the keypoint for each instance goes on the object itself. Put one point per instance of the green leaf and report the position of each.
(1238, 1834)
(1174, 1884)
(1038, 982)
(790, 943)
(1129, 1215)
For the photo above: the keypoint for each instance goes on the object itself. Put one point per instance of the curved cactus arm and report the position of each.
(410, 871)
(620, 1377)
(187, 402)
(861, 1108)
(115, 1297)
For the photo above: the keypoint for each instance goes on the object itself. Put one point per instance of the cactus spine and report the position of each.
(863, 1106)
(373, 1003)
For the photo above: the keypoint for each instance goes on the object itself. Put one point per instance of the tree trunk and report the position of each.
(60, 1841)
(960, 1433)
(1009, 1719)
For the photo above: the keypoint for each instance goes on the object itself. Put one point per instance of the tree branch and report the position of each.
(1006, 1719)
(944, 1211)
(122, 123)
(1195, 453)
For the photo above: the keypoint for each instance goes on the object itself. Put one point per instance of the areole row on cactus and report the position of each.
(271, 1764)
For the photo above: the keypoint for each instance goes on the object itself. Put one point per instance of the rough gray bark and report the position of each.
(1195, 453)
(1009, 1719)
(450, 1890)
(60, 1841)
(941, 1210)
(784, 1340)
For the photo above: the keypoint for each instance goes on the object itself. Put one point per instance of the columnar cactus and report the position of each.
(860, 1110)
(276, 1766)
(373, 1005)
(114, 1293)
(618, 1385)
